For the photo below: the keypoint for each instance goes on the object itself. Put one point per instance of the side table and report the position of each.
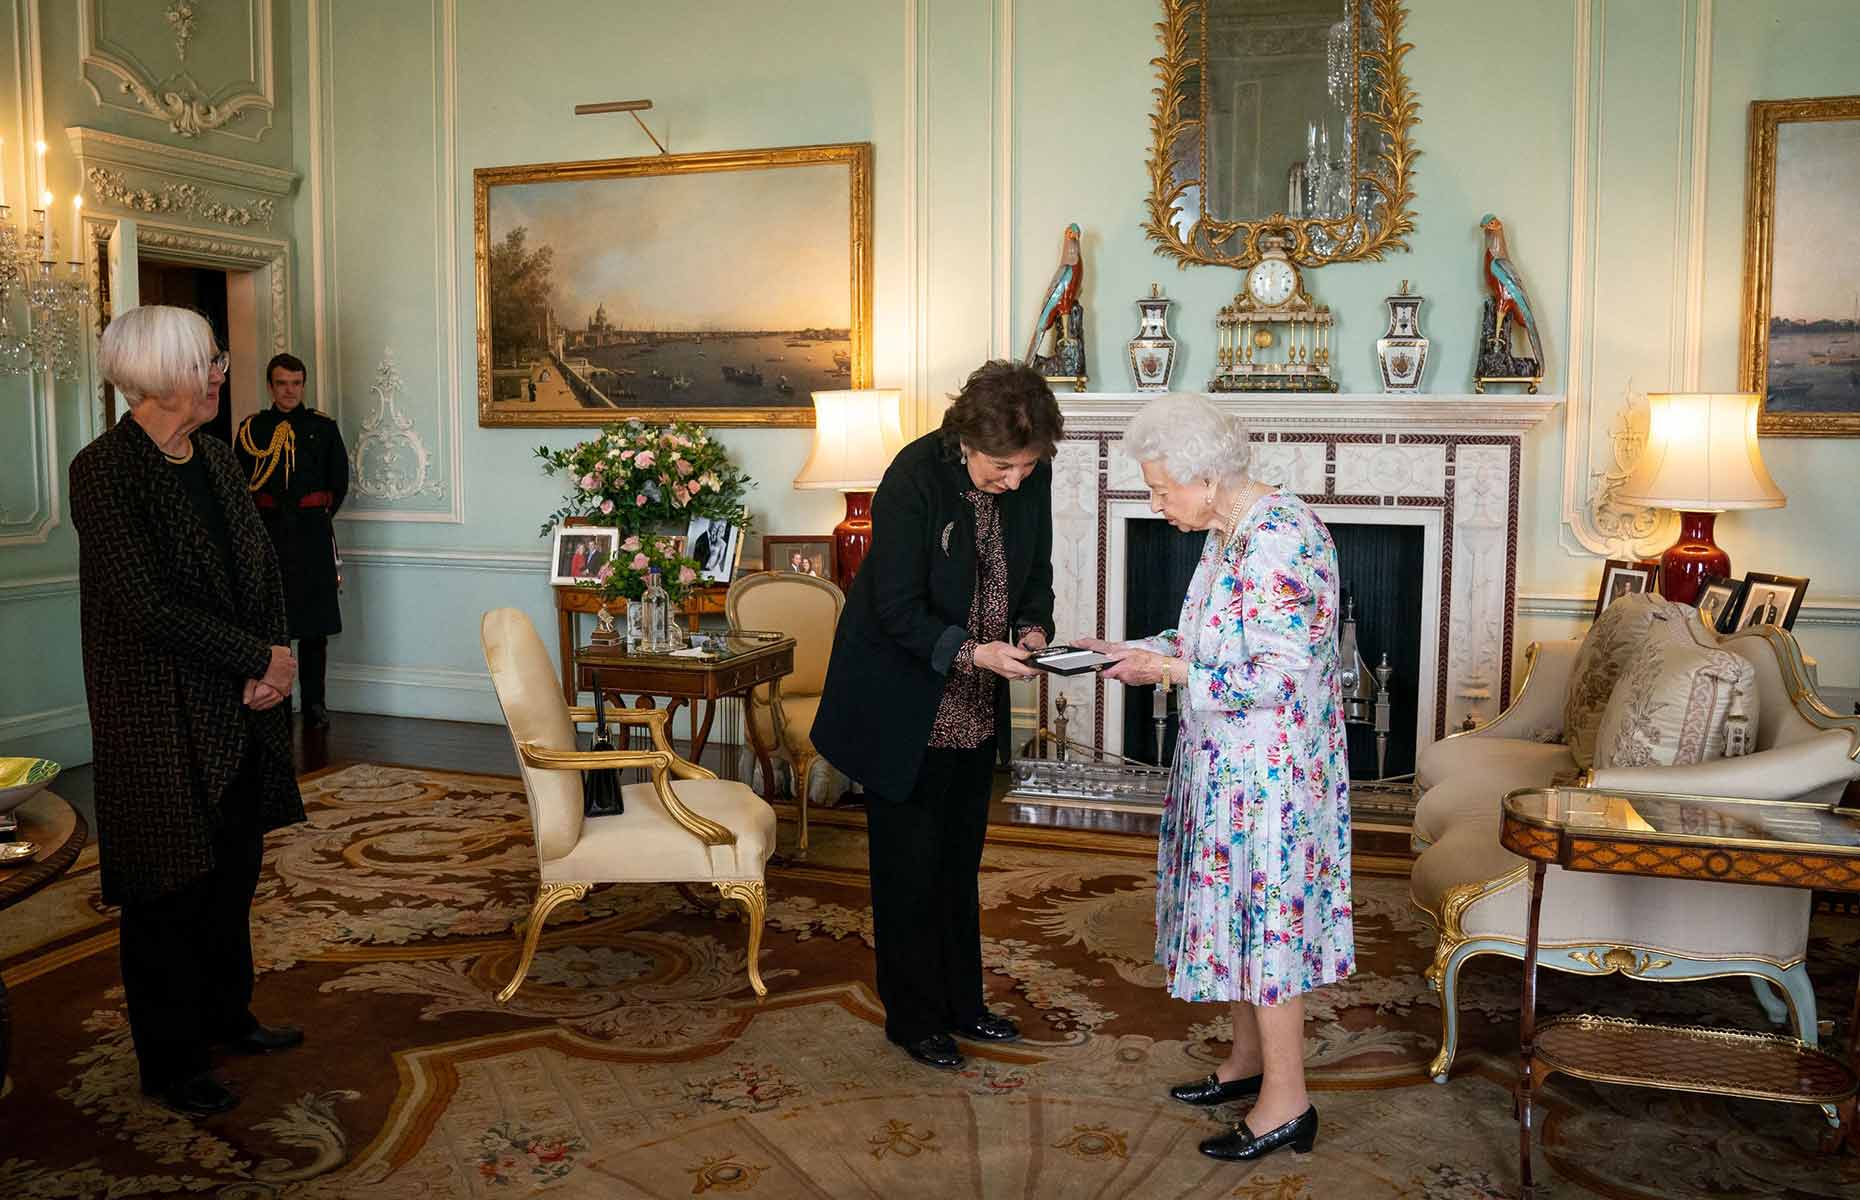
(1680, 837)
(59, 832)
(571, 603)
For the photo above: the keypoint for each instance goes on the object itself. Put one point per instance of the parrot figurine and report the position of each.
(1061, 294)
(1508, 296)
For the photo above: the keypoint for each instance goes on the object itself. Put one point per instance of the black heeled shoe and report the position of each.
(1241, 1144)
(1208, 1091)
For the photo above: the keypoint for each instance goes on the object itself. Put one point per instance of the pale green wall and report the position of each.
(390, 106)
(42, 93)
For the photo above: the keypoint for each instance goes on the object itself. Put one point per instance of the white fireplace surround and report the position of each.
(1449, 464)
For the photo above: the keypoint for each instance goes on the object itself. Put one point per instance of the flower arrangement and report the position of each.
(642, 479)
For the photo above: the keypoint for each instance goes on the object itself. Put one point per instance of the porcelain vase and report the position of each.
(1152, 351)
(1402, 351)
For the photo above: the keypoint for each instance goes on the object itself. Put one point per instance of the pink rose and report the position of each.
(683, 467)
(607, 506)
(640, 500)
(587, 482)
(631, 544)
(641, 562)
(681, 495)
(624, 455)
(605, 573)
(644, 459)
(686, 575)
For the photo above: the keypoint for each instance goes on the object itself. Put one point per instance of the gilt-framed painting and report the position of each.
(722, 288)
(1801, 333)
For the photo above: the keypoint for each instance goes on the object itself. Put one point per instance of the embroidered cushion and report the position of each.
(1610, 645)
(1677, 703)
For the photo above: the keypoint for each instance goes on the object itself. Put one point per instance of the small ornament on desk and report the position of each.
(1062, 358)
(1152, 351)
(604, 632)
(1508, 305)
(1402, 351)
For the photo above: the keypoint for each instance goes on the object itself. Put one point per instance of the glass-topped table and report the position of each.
(1680, 837)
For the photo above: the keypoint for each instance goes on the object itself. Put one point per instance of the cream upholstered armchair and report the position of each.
(1564, 726)
(782, 714)
(684, 826)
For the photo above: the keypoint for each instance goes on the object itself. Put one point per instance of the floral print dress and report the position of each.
(1253, 854)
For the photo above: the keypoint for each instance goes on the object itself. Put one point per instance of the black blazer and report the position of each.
(908, 612)
(169, 641)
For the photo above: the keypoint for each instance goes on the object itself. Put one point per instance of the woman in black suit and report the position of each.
(187, 662)
(955, 592)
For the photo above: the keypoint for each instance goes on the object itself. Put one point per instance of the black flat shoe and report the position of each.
(938, 1050)
(266, 1039)
(1240, 1144)
(991, 1028)
(197, 1096)
(316, 716)
(1208, 1091)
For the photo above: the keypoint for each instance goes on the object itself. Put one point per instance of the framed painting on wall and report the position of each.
(722, 288)
(1801, 333)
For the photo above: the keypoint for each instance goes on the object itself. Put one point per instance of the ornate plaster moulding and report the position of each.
(138, 178)
(119, 79)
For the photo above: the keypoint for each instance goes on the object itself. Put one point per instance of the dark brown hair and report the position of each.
(290, 362)
(1004, 407)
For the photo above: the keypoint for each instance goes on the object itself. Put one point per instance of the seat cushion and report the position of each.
(1484, 769)
(1674, 702)
(1611, 643)
(644, 845)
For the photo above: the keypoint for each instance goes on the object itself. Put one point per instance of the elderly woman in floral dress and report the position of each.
(1253, 858)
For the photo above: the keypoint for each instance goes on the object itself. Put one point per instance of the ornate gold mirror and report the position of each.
(1281, 114)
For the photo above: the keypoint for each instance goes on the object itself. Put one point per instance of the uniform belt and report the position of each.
(307, 500)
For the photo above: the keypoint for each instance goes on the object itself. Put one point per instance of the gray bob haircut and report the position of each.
(1192, 439)
(156, 350)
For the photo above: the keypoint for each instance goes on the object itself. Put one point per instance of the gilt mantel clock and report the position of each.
(1273, 336)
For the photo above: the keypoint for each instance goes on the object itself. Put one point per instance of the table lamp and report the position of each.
(856, 435)
(1701, 459)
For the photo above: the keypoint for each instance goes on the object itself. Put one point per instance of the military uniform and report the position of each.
(298, 471)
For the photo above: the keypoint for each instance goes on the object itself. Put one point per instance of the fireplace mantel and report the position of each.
(1451, 464)
(1352, 412)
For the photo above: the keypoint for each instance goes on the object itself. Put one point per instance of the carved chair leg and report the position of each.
(548, 897)
(754, 899)
(1773, 1005)
(803, 776)
(1800, 995)
(1444, 975)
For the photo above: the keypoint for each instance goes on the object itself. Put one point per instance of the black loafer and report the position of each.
(1240, 1144)
(990, 1028)
(197, 1096)
(266, 1039)
(316, 716)
(1208, 1091)
(938, 1050)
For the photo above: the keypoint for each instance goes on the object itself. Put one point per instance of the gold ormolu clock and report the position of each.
(1273, 337)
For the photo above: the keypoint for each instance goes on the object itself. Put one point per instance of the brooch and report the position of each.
(947, 530)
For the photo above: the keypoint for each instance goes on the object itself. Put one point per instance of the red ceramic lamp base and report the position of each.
(1687, 562)
(852, 537)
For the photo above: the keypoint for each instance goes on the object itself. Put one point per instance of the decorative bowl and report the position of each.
(23, 778)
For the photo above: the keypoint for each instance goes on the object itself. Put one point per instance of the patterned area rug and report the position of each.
(635, 1061)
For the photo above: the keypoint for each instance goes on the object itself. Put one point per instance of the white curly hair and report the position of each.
(1192, 439)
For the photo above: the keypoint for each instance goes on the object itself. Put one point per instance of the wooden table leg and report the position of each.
(1847, 1137)
(701, 737)
(1527, 1031)
(565, 647)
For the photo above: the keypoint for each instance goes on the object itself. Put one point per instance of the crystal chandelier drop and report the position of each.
(51, 336)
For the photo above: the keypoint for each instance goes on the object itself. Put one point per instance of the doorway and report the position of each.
(225, 299)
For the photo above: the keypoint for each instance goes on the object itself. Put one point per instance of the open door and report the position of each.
(125, 293)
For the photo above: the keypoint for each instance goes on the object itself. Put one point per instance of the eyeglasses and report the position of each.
(221, 362)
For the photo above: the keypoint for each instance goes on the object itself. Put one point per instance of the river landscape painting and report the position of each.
(1802, 263)
(721, 288)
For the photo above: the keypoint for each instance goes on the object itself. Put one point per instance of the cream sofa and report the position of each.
(1475, 891)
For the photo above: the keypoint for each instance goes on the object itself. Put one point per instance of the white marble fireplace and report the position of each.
(1447, 464)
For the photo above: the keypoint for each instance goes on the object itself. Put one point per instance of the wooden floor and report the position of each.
(485, 750)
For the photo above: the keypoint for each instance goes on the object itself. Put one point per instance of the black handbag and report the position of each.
(600, 788)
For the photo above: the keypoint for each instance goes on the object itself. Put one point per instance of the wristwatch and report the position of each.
(1168, 674)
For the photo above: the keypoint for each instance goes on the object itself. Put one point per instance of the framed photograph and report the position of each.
(721, 288)
(716, 545)
(801, 554)
(580, 551)
(1770, 600)
(1717, 601)
(1621, 576)
(1801, 335)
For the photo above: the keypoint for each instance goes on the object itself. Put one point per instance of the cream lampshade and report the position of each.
(856, 435)
(1701, 459)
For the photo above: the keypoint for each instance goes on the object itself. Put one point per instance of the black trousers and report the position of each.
(926, 852)
(312, 665)
(187, 957)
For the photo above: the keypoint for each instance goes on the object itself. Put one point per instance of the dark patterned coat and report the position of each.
(169, 641)
(283, 468)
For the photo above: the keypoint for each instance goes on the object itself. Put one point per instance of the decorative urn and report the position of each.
(1152, 351)
(1402, 351)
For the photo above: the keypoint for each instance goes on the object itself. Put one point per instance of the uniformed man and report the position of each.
(298, 471)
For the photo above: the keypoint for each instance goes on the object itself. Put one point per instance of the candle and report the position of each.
(45, 220)
(2, 173)
(77, 229)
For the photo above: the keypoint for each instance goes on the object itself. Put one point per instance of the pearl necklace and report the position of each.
(1243, 503)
